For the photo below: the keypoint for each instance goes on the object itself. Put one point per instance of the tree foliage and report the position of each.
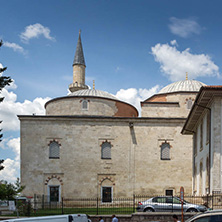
(4, 81)
(8, 191)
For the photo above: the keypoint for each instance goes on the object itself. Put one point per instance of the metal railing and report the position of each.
(41, 204)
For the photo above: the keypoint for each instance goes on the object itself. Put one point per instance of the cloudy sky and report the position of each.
(132, 49)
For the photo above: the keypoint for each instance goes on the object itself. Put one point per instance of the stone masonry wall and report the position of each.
(135, 166)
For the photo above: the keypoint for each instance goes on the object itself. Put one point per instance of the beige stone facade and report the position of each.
(135, 165)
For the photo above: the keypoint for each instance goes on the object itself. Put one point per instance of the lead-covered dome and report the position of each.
(90, 102)
(93, 93)
(182, 86)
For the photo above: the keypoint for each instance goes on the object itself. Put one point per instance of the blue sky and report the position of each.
(131, 48)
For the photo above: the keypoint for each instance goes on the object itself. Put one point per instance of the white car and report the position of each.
(168, 204)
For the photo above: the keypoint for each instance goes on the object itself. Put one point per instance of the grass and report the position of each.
(89, 211)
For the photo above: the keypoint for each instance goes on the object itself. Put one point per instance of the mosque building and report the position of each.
(91, 144)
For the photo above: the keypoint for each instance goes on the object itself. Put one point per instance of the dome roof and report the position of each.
(182, 86)
(93, 92)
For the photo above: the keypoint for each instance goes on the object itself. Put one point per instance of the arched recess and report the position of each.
(54, 188)
(107, 189)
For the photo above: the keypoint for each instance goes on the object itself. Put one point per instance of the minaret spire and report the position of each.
(78, 68)
(79, 56)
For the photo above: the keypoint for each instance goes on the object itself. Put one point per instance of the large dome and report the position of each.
(93, 93)
(182, 86)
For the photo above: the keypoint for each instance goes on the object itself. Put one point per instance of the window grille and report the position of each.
(165, 151)
(54, 150)
(106, 151)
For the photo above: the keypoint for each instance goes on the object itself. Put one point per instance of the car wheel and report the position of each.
(192, 210)
(149, 210)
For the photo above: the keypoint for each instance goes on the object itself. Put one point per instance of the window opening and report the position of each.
(106, 194)
(169, 192)
(85, 105)
(201, 136)
(54, 150)
(189, 103)
(208, 126)
(165, 151)
(54, 193)
(106, 151)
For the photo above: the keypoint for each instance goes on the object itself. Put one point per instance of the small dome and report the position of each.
(93, 93)
(182, 86)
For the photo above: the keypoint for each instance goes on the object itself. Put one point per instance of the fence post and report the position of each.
(62, 206)
(28, 208)
(212, 200)
(97, 206)
(133, 203)
(35, 203)
(43, 199)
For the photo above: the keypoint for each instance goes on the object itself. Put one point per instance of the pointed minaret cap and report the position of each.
(79, 56)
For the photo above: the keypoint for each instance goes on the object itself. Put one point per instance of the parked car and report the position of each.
(208, 216)
(168, 204)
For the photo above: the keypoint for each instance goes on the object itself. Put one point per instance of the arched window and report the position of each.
(106, 150)
(189, 103)
(165, 151)
(85, 105)
(54, 150)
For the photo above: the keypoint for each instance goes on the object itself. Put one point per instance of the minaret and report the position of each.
(78, 68)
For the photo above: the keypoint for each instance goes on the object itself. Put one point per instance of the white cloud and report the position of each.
(175, 63)
(15, 47)
(34, 31)
(184, 27)
(135, 96)
(12, 166)
(10, 108)
(174, 42)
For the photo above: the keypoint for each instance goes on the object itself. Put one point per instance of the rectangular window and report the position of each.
(106, 194)
(165, 151)
(201, 136)
(208, 127)
(169, 192)
(54, 193)
(195, 144)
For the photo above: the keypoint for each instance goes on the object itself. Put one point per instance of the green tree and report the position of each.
(4, 81)
(8, 191)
